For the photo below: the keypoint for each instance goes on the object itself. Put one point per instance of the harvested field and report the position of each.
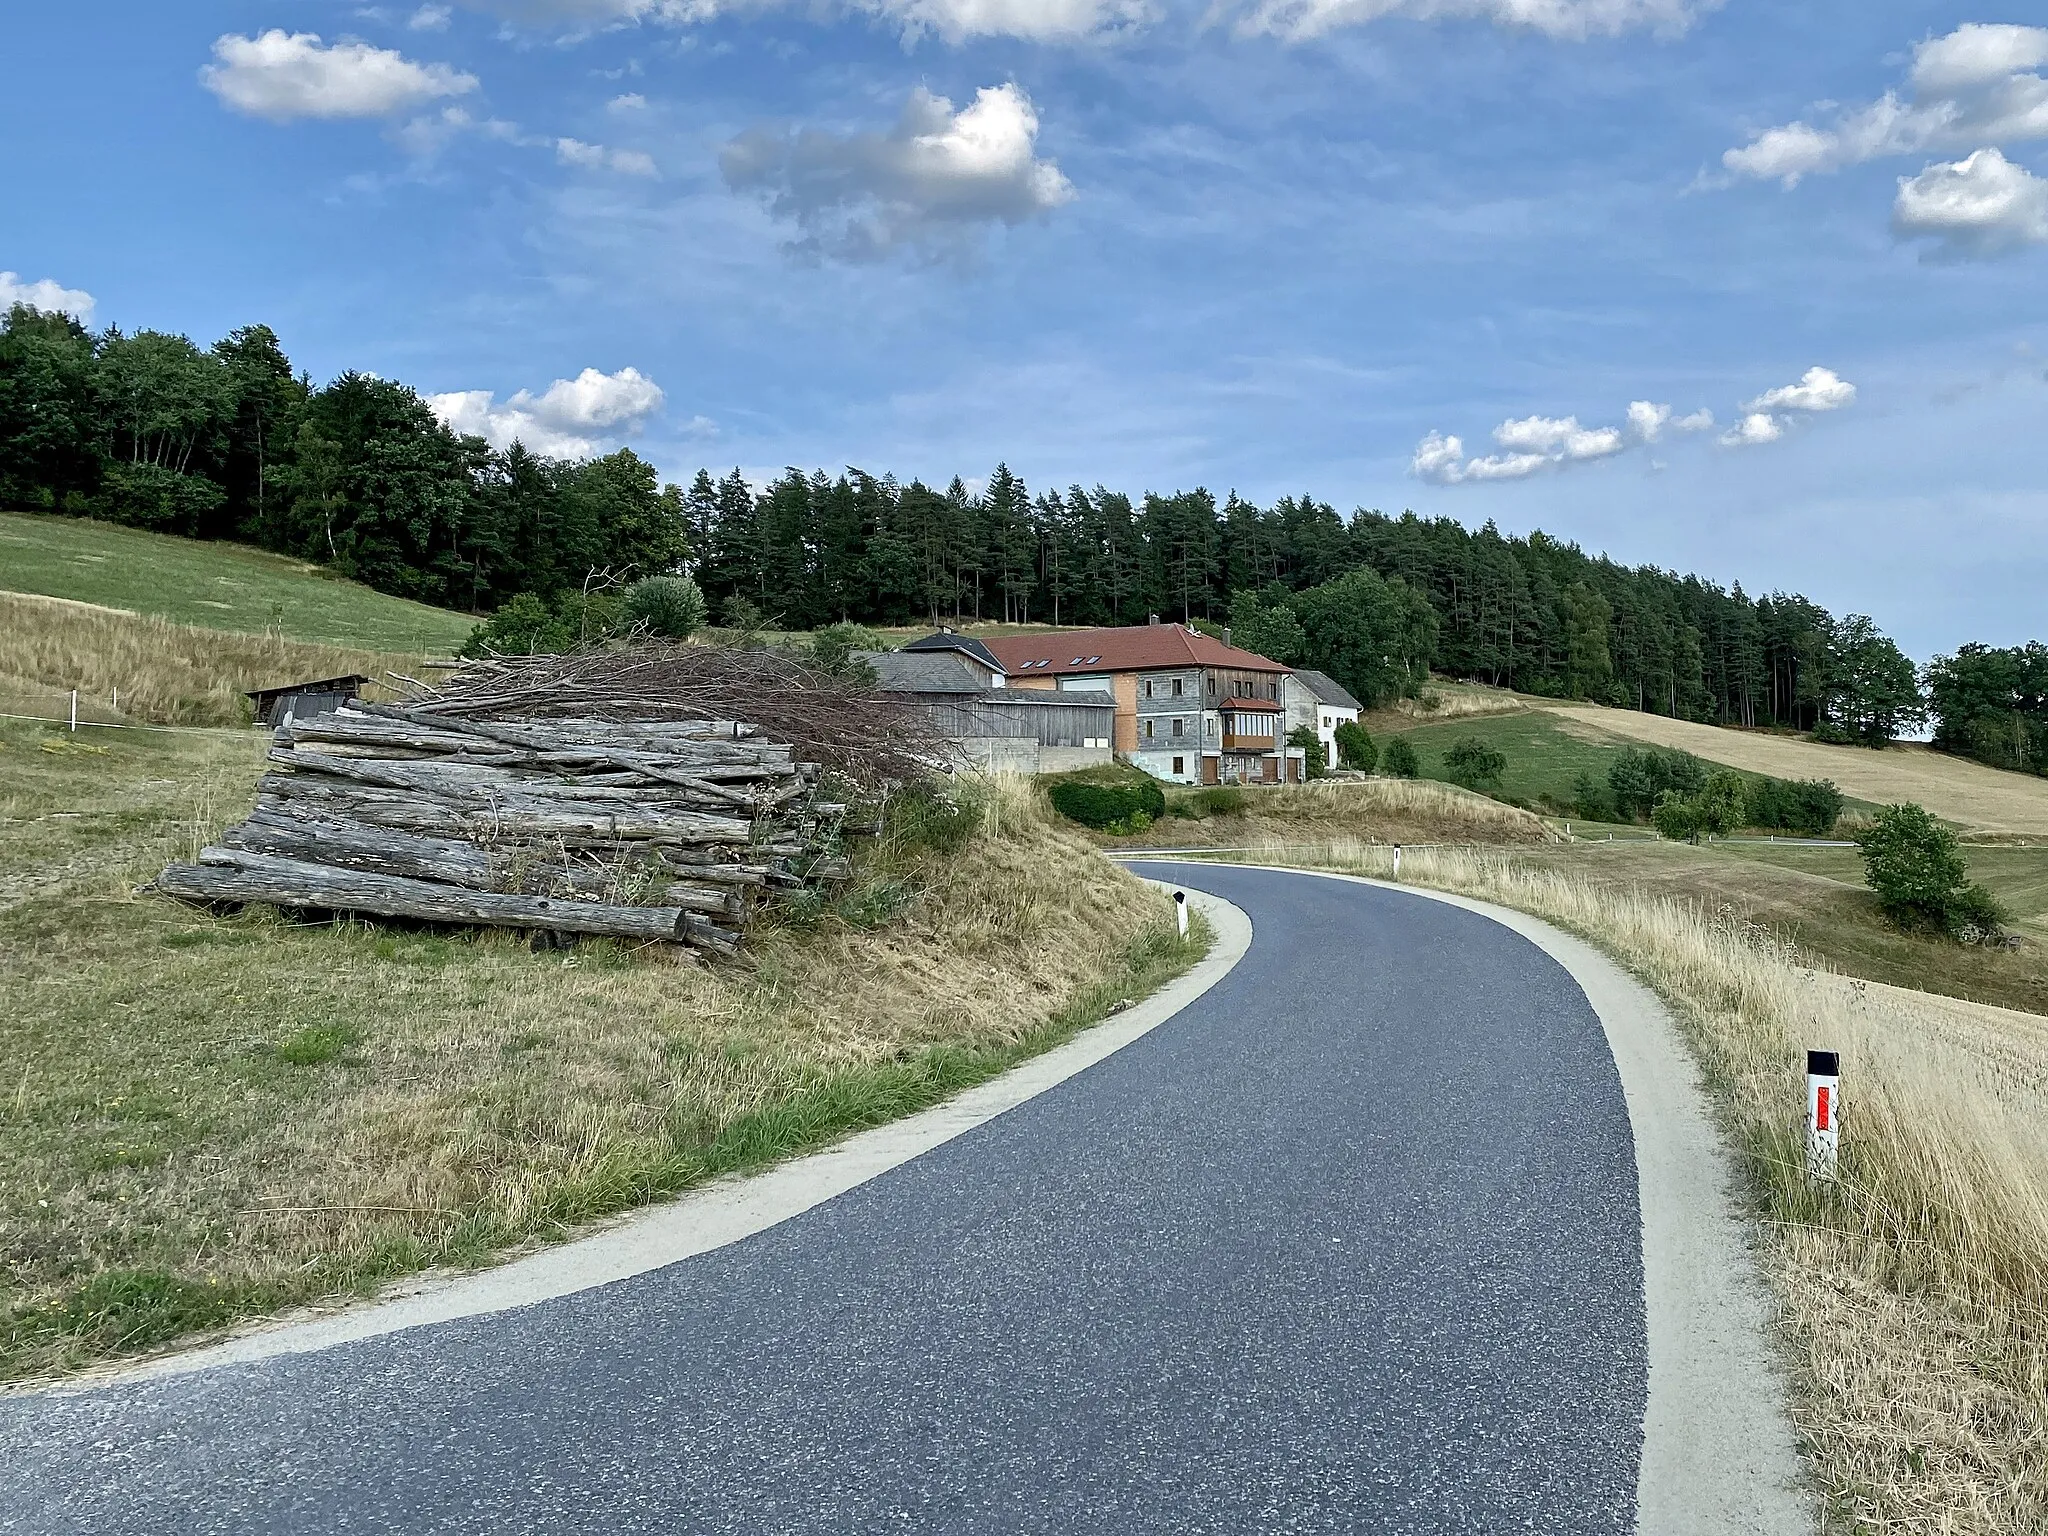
(1972, 796)
(211, 1117)
(1914, 1292)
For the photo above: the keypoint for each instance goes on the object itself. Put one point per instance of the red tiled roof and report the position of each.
(1134, 648)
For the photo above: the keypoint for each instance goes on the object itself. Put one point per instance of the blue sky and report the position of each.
(1269, 245)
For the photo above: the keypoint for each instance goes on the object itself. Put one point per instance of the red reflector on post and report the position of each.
(1821, 1117)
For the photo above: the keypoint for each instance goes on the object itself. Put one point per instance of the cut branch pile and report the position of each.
(633, 794)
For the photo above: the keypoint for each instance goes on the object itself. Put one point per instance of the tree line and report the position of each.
(360, 475)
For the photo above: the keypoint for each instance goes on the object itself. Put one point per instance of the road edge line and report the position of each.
(1712, 1463)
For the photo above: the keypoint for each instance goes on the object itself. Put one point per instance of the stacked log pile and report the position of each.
(446, 809)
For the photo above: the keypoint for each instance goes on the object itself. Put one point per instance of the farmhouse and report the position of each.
(961, 686)
(1318, 701)
(1188, 708)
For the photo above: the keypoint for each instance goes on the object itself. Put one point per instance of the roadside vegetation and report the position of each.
(1914, 1292)
(209, 1117)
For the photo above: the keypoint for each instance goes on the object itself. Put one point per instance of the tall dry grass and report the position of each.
(165, 673)
(1915, 1290)
(1406, 811)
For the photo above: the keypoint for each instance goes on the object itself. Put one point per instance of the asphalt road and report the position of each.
(1350, 1244)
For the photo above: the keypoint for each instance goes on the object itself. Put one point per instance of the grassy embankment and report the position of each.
(210, 1117)
(1914, 1293)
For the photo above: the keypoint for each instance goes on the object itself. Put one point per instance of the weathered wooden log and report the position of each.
(227, 875)
(603, 736)
(377, 850)
(484, 784)
(513, 817)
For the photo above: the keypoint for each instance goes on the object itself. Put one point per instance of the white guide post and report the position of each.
(74, 709)
(1397, 861)
(1823, 1112)
(1180, 912)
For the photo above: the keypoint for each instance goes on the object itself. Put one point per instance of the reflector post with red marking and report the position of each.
(1823, 1112)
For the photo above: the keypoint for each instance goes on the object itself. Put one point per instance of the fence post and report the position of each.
(1823, 1112)
(1180, 913)
(1397, 861)
(74, 711)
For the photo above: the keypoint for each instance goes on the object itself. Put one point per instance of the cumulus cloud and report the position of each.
(628, 162)
(1756, 427)
(431, 18)
(1981, 205)
(1531, 443)
(1648, 420)
(1976, 86)
(282, 75)
(954, 20)
(573, 419)
(1818, 389)
(45, 294)
(1567, 20)
(932, 179)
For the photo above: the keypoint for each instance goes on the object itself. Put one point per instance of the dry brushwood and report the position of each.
(650, 793)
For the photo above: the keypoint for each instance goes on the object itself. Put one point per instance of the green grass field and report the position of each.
(214, 586)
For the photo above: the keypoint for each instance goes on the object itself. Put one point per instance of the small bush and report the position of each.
(1220, 800)
(1591, 799)
(1108, 807)
(1810, 807)
(932, 815)
(1830, 734)
(1640, 777)
(836, 649)
(670, 606)
(1677, 817)
(1355, 747)
(1915, 865)
(1313, 758)
(1472, 763)
(1399, 760)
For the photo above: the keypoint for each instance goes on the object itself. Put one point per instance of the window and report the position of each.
(1148, 730)
(1179, 765)
(1148, 687)
(1176, 687)
(1212, 682)
(1178, 723)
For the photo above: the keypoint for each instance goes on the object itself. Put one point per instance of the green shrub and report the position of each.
(1399, 759)
(1355, 747)
(1312, 756)
(836, 649)
(1677, 817)
(670, 606)
(1591, 799)
(1108, 807)
(1810, 807)
(1472, 763)
(1640, 777)
(936, 814)
(1221, 800)
(1915, 865)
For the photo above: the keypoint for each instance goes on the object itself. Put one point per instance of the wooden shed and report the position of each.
(302, 701)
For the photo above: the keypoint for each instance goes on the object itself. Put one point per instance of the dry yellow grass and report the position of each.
(1915, 1292)
(1967, 793)
(1379, 810)
(209, 1116)
(166, 674)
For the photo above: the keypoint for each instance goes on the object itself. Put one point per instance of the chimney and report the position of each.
(1151, 618)
(1226, 634)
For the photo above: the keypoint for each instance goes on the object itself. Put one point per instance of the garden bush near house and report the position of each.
(1355, 748)
(529, 625)
(1399, 760)
(1109, 807)
(1915, 865)
(1472, 764)
(1312, 755)
(836, 649)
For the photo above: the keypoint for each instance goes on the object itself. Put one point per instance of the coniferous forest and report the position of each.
(358, 474)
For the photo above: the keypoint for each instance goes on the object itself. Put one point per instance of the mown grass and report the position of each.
(131, 668)
(1914, 1291)
(215, 586)
(211, 1116)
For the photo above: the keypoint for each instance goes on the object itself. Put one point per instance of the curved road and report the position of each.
(1349, 1244)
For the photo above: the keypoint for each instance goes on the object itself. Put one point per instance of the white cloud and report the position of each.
(283, 76)
(1561, 438)
(1970, 88)
(45, 294)
(1648, 421)
(954, 20)
(1982, 205)
(1701, 420)
(1756, 427)
(1818, 389)
(628, 162)
(574, 418)
(1568, 20)
(932, 178)
(426, 136)
(632, 101)
(431, 18)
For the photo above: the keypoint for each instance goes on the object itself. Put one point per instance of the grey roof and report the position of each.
(923, 672)
(1326, 688)
(946, 640)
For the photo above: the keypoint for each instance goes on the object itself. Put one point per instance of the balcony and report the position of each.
(1233, 742)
